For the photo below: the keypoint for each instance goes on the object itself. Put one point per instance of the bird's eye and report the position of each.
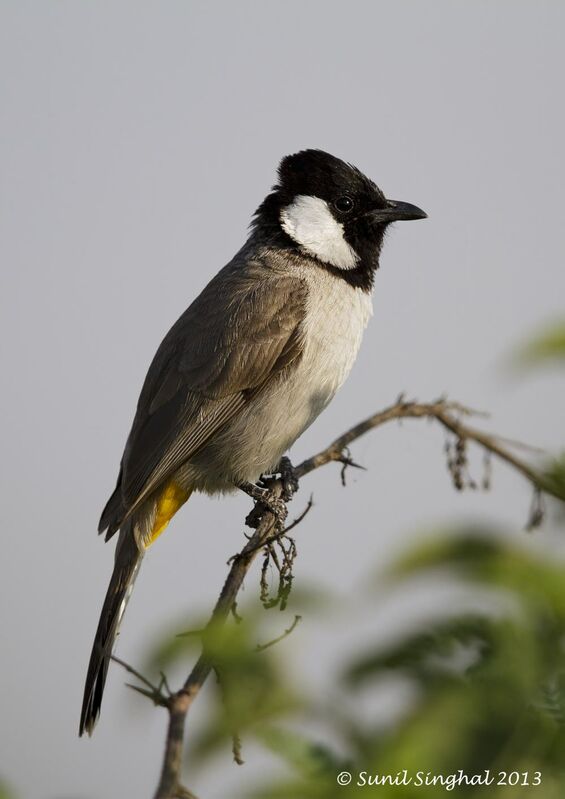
(344, 204)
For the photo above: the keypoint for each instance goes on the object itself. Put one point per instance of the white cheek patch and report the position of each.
(309, 222)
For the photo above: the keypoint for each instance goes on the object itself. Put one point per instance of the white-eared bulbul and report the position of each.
(248, 366)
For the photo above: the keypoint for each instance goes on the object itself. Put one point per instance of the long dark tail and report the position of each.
(127, 563)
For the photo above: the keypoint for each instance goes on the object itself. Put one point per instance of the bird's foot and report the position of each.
(265, 500)
(289, 478)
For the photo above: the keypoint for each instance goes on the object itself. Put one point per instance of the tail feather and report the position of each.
(127, 563)
(114, 511)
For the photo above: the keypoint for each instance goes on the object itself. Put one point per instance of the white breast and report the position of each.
(336, 316)
(254, 441)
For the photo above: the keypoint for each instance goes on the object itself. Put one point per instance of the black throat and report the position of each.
(267, 230)
(361, 277)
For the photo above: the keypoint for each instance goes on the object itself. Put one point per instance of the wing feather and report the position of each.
(242, 330)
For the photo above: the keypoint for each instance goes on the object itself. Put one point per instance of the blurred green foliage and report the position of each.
(5, 793)
(554, 476)
(488, 687)
(547, 346)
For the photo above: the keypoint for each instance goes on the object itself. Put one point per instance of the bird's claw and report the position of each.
(289, 478)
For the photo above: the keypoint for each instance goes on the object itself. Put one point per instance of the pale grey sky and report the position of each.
(136, 139)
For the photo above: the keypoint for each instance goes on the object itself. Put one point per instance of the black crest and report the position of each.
(318, 174)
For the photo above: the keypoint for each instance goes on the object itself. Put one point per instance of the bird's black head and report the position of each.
(329, 210)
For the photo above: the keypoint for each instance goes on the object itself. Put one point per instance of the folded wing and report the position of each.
(242, 331)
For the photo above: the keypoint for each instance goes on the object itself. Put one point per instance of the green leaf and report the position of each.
(182, 641)
(5, 792)
(307, 757)
(549, 345)
(447, 649)
(554, 477)
(487, 559)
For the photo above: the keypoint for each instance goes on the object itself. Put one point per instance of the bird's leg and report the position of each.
(288, 477)
(267, 500)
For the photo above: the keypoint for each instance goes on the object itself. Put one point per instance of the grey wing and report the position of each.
(241, 331)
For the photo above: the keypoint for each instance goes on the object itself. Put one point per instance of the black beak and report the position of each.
(395, 211)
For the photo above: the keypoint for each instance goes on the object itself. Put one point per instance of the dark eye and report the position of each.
(344, 204)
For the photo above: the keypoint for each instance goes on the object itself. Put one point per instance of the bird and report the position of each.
(248, 366)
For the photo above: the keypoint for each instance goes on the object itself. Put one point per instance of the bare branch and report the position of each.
(446, 413)
(180, 702)
(449, 415)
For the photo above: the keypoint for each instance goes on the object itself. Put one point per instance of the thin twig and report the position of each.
(155, 693)
(262, 647)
